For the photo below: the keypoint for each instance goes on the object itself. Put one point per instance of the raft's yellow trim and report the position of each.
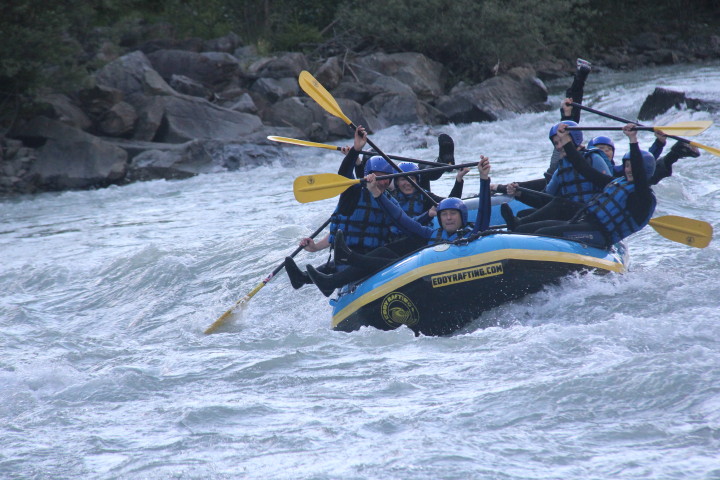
(479, 259)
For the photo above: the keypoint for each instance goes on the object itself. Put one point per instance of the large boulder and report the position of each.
(68, 158)
(133, 75)
(62, 108)
(275, 89)
(184, 162)
(400, 109)
(212, 69)
(197, 157)
(281, 66)
(424, 76)
(190, 118)
(519, 91)
(663, 99)
(118, 121)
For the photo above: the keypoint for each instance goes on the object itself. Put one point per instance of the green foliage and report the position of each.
(37, 48)
(472, 36)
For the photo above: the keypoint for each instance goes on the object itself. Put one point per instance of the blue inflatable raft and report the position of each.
(441, 288)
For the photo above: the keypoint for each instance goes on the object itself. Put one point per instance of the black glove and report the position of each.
(683, 150)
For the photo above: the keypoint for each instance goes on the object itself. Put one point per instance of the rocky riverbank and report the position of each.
(176, 110)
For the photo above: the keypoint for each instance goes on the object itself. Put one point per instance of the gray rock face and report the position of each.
(68, 158)
(180, 111)
(663, 99)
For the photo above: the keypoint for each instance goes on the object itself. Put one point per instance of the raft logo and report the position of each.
(397, 309)
(467, 275)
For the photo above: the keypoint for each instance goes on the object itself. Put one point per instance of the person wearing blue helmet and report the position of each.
(567, 185)
(452, 218)
(623, 207)
(358, 214)
(413, 202)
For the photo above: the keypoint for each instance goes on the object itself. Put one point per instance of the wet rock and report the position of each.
(663, 99)
(68, 158)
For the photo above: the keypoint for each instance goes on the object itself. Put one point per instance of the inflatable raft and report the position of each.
(442, 288)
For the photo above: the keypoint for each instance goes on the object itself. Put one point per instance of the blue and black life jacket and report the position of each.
(440, 235)
(573, 185)
(413, 204)
(610, 209)
(367, 228)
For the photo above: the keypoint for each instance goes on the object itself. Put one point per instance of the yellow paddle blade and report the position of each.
(687, 129)
(311, 188)
(694, 233)
(304, 143)
(713, 150)
(318, 93)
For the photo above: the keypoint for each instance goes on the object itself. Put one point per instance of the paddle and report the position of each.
(681, 128)
(311, 188)
(305, 143)
(714, 151)
(694, 233)
(243, 301)
(318, 93)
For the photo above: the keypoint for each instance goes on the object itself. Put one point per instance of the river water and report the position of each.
(105, 372)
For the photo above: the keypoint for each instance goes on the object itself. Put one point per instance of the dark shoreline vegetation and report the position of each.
(60, 82)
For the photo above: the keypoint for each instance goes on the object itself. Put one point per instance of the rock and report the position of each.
(212, 69)
(283, 66)
(188, 86)
(149, 119)
(330, 73)
(275, 89)
(244, 104)
(64, 110)
(200, 156)
(519, 91)
(392, 109)
(663, 99)
(190, 118)
(302, 113)
(133, 74)
(187, 161)
(68, 158)
(99, 99)
(119, 121)
(358, 92)
(461, 109)
(424, 76)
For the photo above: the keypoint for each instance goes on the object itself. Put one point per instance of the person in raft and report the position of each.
(358, 214)
(452, 216)
(624, 206)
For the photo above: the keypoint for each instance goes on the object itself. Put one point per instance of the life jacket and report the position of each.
(610, 209)
(367, 228)
(440, 235)
(413, 204)
(573, 185)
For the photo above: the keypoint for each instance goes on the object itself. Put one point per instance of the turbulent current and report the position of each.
(105, 372)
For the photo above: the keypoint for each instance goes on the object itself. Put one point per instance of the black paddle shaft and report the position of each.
(299, 248)
(620, 119)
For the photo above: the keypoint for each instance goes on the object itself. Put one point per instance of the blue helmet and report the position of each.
(576, 135)
(410, 167)
(601, 140)
(648, 162)
(378, 164)
(452, 203)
